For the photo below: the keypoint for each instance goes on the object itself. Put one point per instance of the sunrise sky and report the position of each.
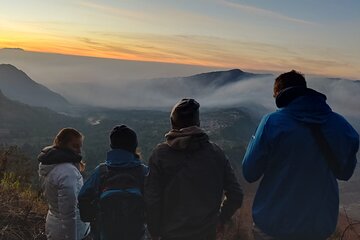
(318, 37)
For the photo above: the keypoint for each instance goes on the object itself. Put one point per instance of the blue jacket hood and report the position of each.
(121, 158)
(304, 104)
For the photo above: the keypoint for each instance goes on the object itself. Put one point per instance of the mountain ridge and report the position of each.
(222, 78)
(17, 85)
(13, 110)
(24, 124)
(216, 78)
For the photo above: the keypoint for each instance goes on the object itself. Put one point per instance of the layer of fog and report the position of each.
(115, 84)
(343, 95)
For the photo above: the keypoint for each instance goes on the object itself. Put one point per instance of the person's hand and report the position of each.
(82, 166)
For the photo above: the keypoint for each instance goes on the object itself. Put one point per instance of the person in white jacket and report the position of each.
(61, 182)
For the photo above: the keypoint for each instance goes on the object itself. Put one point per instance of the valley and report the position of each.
(31, 125)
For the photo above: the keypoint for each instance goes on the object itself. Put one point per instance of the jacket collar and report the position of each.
(53, 155)
(287, 95)
(186, 138)
(121, 158)
(304, 104)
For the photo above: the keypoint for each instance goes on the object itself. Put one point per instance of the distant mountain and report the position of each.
(341, 79)
(159, 93)
(221, 78)
(57, 69)
(199, 85)
(16, 85)
(13, 49)
(215, 79)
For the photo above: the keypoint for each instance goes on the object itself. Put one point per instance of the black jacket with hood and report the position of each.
(184, 190)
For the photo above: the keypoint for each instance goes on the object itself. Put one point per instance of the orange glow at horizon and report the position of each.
(175, 49)
(71, 47)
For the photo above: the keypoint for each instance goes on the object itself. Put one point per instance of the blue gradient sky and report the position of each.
(318, 37)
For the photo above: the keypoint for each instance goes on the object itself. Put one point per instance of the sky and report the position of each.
(315, 37)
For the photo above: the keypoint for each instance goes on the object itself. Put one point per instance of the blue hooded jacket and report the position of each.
(298, 196)
(91, 192)
(116, 158)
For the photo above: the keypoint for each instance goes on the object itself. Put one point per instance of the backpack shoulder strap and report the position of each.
(141, 173)
(325, 148)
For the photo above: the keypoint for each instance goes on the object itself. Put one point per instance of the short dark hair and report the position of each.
(289, 79)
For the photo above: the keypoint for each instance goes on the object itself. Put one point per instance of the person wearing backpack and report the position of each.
(61, 180)
(299, 151)
(188, 178)
(112, 198)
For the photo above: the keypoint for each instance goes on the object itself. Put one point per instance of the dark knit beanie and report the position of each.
(185, 114)
(122, 137)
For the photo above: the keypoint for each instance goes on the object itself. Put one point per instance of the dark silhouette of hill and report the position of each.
(17, 85)
(342, 79)
(19, 121)
(13, 49)
(221, 78)
(215, 79)
(199, 85)
(16, 111)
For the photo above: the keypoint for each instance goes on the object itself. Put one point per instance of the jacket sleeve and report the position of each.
(233, 194)
(349, 161)
(90, 189)
(67, 202)
(88, 195)
(257, 154)
(153, 196)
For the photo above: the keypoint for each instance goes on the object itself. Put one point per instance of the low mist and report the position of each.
(343, 95)
(142, 85)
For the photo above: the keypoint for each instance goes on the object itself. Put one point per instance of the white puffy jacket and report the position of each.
(61, 184)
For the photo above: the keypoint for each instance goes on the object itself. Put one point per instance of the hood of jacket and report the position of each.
(51, 155)
(121, 158)
(304, 104)
(190, 138)
(44, 170)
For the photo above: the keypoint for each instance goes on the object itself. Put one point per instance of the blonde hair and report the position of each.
(65, 135)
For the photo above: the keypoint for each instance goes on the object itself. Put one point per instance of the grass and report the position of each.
(23, 212)
(22, 215)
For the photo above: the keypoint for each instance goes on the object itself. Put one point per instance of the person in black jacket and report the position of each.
(188, 178)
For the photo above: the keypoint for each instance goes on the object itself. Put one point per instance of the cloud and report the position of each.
(264, 12)
(162, 16)
(219, 52)
(193, 49)
(227, 53)
(112, 10)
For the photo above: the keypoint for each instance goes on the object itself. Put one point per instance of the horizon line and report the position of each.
(168, 62)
